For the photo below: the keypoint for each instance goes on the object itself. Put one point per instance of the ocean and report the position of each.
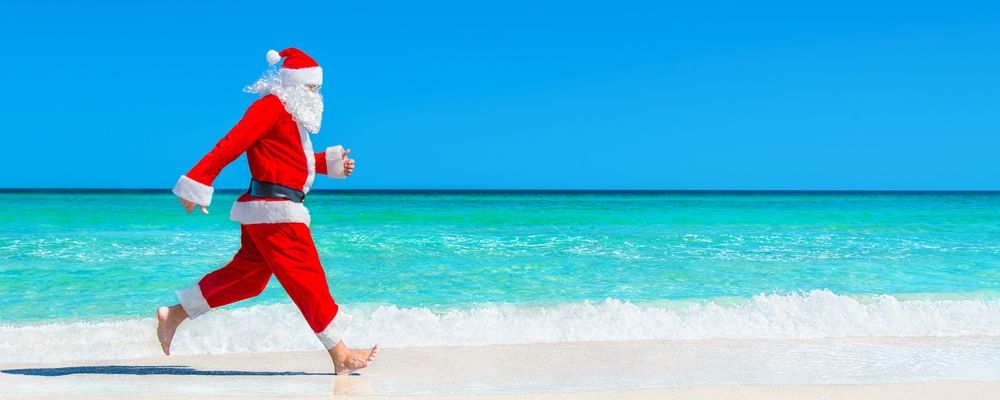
(82, 272)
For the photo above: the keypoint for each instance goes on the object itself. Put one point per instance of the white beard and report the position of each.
(305, 105)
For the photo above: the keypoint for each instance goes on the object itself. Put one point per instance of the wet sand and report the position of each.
(712, 369)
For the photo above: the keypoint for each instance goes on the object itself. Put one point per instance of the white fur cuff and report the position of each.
(193, 301)
(335, 162)
(193, 191)
(330, 336)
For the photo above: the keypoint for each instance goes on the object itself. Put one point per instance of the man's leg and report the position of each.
(289, 251)
(242, 278)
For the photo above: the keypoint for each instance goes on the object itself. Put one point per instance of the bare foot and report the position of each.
(167, 321)
(346, 361)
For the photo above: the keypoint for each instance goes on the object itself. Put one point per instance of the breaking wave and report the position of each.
(280, 327)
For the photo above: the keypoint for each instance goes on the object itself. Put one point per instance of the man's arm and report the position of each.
(334, 162)
(195, 187)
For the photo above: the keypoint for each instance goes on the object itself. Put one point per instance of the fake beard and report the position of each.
(305, 105)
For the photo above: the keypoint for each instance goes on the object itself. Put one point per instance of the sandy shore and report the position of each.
(909, 391)
(715, 369)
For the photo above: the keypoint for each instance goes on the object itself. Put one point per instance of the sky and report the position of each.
(519, 94)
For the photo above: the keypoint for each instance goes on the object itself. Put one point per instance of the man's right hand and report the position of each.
(189, 206)
(348, 162)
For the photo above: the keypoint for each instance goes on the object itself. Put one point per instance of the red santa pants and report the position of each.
(283, 249)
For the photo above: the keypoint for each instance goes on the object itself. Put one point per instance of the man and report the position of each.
(275, 237)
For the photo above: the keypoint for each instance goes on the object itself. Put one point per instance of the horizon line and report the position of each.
(525, 191)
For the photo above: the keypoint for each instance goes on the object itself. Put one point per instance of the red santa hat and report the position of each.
(297, 68)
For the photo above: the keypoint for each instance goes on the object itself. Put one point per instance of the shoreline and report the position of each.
(952, 390)
(929, 368)
(279, 327)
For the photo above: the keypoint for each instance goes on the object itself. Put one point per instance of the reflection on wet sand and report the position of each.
(351, 384)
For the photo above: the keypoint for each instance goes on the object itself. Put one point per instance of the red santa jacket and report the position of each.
(278, 151)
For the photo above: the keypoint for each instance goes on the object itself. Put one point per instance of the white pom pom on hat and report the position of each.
(273, 57)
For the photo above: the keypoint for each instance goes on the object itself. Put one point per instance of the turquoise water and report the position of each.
(82, 273)
(87, 256)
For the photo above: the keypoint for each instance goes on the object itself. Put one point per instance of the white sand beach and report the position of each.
(887, 368)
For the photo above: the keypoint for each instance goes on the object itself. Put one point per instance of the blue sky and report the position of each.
(520, 94)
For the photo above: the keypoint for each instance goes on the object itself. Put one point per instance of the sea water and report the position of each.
(82, 273)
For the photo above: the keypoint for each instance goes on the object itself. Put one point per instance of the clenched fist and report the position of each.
(348, 163)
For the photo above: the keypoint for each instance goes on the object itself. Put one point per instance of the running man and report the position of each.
(275, 236)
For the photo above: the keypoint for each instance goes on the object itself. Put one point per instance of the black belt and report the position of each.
(275, 191)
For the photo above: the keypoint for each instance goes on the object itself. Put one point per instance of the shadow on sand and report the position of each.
(146, 370)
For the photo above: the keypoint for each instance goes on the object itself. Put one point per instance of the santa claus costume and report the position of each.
(275, 236)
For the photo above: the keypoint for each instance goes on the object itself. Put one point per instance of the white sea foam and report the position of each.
(266, 328)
